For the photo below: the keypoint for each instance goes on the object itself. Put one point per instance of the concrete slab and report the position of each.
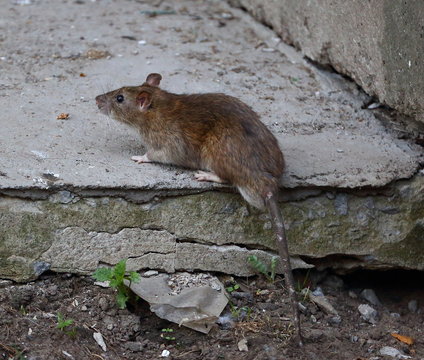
(51, 62)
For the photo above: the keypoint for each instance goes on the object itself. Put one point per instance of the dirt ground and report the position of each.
(259, 314)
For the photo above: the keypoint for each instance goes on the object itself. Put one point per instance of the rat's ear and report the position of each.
(144, 100)
(154, 79)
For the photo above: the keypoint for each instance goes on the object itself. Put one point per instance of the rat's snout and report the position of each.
(100, 100)
(102, 104)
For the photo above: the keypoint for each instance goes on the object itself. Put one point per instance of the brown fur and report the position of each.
(213, 132)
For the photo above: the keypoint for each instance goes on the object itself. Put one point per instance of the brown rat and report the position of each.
(215, 133)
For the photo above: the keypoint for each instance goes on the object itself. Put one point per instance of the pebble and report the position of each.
(370, 296)
(323, 303)
(103, 303)
(391, 351)
(134, 346)
(242, 345)
(314, 334)
(165, 353)
(413, 306)
(52, 290)
(352, 294)
(354, 339)
(368, 313)
(302, 308)
(99, 339)
(318, 292)
(5, 283)
(335, 320)
(395, 315)
(150, 273)
(242, 295)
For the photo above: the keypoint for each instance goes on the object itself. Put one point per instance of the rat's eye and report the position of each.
(120, 98)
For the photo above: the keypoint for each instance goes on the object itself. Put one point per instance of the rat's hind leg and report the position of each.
(141, 159)
(208, 176)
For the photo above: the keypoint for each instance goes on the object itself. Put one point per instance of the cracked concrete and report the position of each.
(212, 231)
(70, 181)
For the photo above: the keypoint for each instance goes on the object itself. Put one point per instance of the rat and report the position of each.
(216, 134)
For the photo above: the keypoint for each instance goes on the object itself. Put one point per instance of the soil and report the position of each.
(260, 314)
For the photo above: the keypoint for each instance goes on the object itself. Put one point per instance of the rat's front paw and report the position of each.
(208, 176)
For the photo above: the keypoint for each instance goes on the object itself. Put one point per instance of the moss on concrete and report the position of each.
(389, 229)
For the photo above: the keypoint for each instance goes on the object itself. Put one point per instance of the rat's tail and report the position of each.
(283, 251)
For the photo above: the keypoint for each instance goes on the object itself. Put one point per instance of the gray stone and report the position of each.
(134, 346)
(352, 294)
(314, 334)
(368, 313)
(391, 351)
(318, 292)
(370, 296)
(378, 44)
(395, 315)
(321, 301)
(5, 283)
(103, 304)
(150, 273)
(354, 338)
(335, 320)
(413, 306)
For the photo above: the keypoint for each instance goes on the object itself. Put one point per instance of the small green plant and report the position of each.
(232, 288)
(116, 277)
(240, 312)
(262, 268)
(64, 325)
(165, 334)
(23, 310)
(304, 284)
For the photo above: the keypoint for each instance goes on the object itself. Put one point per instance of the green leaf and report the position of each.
(67, 322)
(114, 283)
(62, 323)
(134, 277)
(119, 269)
(121, 299)
(259, 265)
(102, 274)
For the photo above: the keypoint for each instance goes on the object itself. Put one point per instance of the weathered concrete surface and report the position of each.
(211, 231)
(71, 181)
(326, 136)
(377, 43)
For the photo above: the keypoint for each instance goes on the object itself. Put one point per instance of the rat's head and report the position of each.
(126, 104)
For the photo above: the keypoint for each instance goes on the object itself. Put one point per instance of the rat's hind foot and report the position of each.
(208, 176)
(141, 159)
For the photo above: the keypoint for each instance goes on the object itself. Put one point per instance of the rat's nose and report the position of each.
(99, 100)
